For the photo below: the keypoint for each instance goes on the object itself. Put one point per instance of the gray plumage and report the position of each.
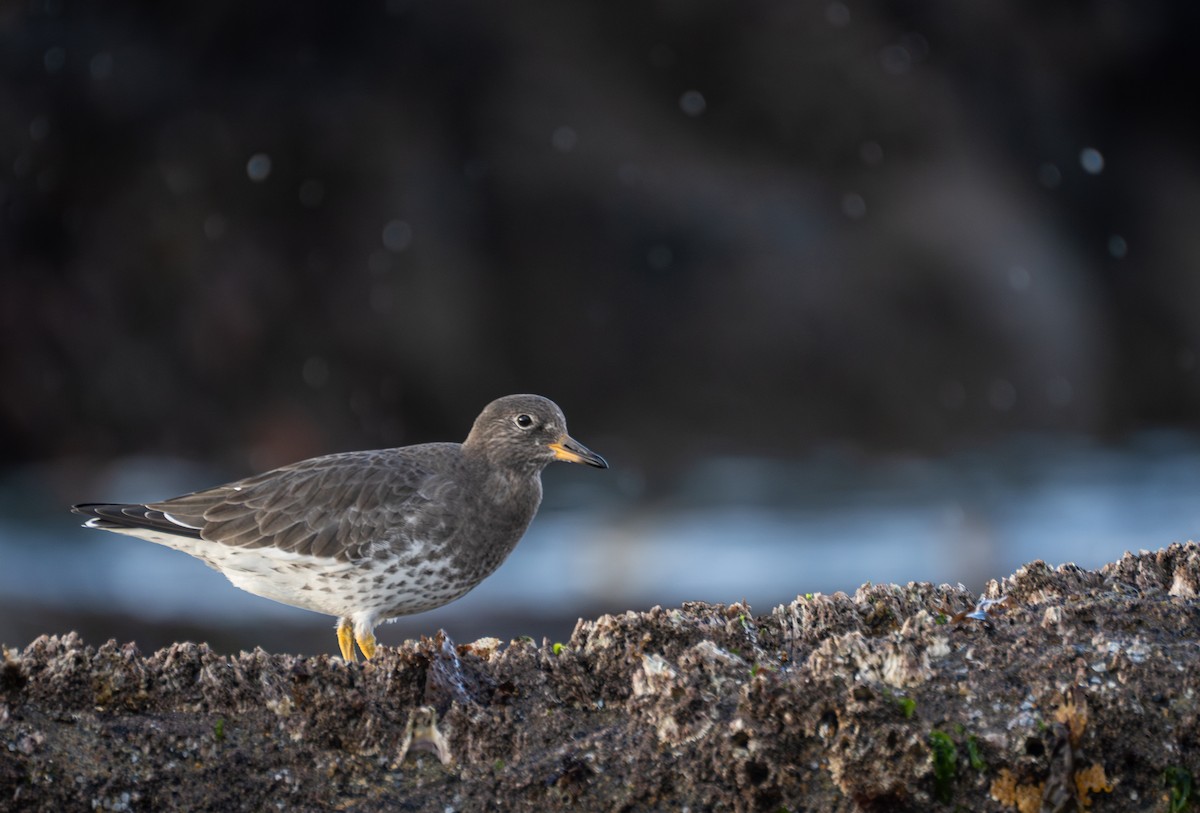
(368, 536)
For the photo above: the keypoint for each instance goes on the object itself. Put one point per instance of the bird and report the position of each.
(369, 536)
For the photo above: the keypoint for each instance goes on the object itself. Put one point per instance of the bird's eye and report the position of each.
(523, 421)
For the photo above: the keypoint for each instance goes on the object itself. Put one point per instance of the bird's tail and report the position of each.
(132, 516)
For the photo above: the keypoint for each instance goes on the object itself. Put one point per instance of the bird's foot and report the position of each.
(367, 644)
(345, 632)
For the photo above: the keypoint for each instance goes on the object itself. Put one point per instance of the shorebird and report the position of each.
(370, 536)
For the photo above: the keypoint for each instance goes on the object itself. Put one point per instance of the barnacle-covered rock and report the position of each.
(1058, 688)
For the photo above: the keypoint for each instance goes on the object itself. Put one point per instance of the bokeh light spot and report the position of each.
(660, 257)
(1049, 176)
(315, 372)
(564, 138)
(101, 66)
(55, 59)
(837, 15)
(692, 103)
(1019, 278)
(1002, 395)
(853, 206)
(952, 395)
(397, 236)
(215, 226)
(312, 193)
(895, 59)
(1091, 160)
(258, 167)
(1059, 392)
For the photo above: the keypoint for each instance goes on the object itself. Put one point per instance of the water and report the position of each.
(732, 529)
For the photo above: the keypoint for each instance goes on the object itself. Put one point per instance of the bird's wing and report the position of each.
(350, 507)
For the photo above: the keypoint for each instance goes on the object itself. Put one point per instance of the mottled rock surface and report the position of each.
(1078, 689)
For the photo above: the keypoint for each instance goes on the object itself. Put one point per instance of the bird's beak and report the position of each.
(572, 451)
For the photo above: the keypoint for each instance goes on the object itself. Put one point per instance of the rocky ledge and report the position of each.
(1057, 690)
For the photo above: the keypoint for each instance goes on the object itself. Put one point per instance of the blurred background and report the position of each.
(844, 290)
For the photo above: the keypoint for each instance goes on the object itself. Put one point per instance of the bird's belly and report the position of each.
(379, 588)
(376, 588)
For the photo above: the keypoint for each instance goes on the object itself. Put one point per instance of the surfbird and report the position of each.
(370, 536)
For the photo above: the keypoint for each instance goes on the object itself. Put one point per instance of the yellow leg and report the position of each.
(346, 640)
(367, 644)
